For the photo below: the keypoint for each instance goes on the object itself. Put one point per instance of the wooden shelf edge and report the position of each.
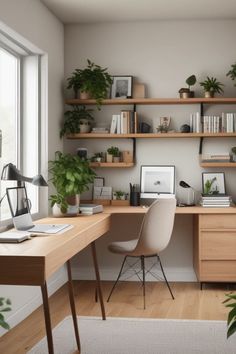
(218, 164)
(150, 135)
(111, 164)
(160, 101)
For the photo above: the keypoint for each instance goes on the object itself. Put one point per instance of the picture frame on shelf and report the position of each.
(213, 183)
(121, 87)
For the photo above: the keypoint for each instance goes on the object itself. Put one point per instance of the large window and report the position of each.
(20, 118)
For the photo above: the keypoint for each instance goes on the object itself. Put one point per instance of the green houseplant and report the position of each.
(119, 195)
(70, 176)
(211, 86)
(4, 307)
(74, 119)
(233, 155)
(113, 154)
(185, 92)
(93, 79)
(232, 73)
(231, 322)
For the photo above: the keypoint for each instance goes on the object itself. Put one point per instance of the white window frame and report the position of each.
(26, 51)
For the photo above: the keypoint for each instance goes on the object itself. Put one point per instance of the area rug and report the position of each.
(140, 336)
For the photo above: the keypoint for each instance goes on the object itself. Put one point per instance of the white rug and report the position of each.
(140, 336)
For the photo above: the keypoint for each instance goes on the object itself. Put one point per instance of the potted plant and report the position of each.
(59, 204)
(70, 176)
(93, 80)
(211, 86)
(75, 119)
(98, 157)
(186, 92)
(119, 195)
(233, 154)
(4, 307)
(113, 154)
(232, 73)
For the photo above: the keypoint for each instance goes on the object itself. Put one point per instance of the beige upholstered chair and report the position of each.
(154, 236)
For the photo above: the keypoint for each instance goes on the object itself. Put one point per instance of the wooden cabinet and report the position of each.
(215, 248)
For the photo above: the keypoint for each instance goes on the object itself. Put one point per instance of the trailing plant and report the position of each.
(232, 73)
(93, 79)
(114, 151)
(70, 175)
(231, 321)
(74, 118)
(212, 85)
(4, 307)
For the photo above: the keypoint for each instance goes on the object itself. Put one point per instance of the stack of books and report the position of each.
(215, 200)
(124, 123)
(100, 130)
(224, 157)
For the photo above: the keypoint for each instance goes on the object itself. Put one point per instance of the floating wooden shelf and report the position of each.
(218, 164)
(111, 164)
(155, 101)
(150, 135)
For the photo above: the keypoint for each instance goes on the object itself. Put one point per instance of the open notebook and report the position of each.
(22, 219)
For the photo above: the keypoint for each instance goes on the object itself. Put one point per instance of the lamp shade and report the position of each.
(11, 173)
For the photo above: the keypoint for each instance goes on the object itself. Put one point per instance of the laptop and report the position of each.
(20, 210)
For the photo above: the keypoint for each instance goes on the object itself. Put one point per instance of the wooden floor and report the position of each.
(190, 303)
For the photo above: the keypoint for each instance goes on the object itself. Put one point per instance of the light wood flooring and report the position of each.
(190, 303)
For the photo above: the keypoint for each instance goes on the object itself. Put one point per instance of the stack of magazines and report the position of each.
(215, 200)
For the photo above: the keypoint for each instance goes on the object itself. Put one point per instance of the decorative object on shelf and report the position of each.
(127, 156)
(186, 92)
(213, 183)
(119, 195)
(82, 153)
(211, 86)
(113, 154)
(232, 73)
(233, 154)
(145, 128)
(163, 127)
(138, 90)
(93, 80)
(98, 157)
(70, 176)
(231, 322)
(76, 120)
(121, 87)
(4, 307)
(185, 128)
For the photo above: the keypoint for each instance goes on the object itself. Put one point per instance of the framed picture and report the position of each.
(122, 87)
(213, 183)
(157, 179)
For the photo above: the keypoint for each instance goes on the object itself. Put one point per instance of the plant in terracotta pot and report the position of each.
(113, 154)
(93, 80)
(232, 73)
(70, 176)
(76, 119)
(211, 86)
(185, 92)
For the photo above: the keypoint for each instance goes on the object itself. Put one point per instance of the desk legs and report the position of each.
(98, 285)
(72, 304)
(47, 318)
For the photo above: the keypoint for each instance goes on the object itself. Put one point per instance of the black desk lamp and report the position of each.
(11, 173)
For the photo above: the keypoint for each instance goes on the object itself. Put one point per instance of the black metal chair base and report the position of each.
(143, 270)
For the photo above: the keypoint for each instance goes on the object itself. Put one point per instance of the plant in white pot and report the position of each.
(75, 119)
(70, 176)
(113, 154)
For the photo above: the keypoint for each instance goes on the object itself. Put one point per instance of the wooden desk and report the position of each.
(214, 240)
(33, 262)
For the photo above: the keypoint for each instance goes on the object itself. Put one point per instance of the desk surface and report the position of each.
(179, 210)
(33, 261)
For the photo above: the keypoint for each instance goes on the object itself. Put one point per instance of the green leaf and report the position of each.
(4, 325)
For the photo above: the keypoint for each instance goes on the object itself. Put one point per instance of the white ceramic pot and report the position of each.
(109, 157)
(56, 211)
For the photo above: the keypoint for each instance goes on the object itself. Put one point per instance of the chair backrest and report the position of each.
(157, 226)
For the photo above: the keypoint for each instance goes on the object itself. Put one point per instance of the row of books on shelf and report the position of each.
(124, 123)
(216, 200)
(224, 157)
(226, 123)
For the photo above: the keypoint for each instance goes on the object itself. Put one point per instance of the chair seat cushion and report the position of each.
(123, 247)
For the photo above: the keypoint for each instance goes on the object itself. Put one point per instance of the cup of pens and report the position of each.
(134, 195)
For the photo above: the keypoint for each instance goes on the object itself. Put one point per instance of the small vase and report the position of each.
(109, 158)
(209, 94)
(116, 159)
(73, 205)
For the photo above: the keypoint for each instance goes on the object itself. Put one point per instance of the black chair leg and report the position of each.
(143, 271)
(158, 258)
(122, 266)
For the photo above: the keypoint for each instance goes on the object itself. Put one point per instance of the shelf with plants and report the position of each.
(111, 164)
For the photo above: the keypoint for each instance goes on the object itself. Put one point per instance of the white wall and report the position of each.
(161, 55)
(33, 21)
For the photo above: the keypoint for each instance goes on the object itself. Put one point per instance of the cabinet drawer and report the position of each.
(217, 221)
(218, 245)
(218, 271)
